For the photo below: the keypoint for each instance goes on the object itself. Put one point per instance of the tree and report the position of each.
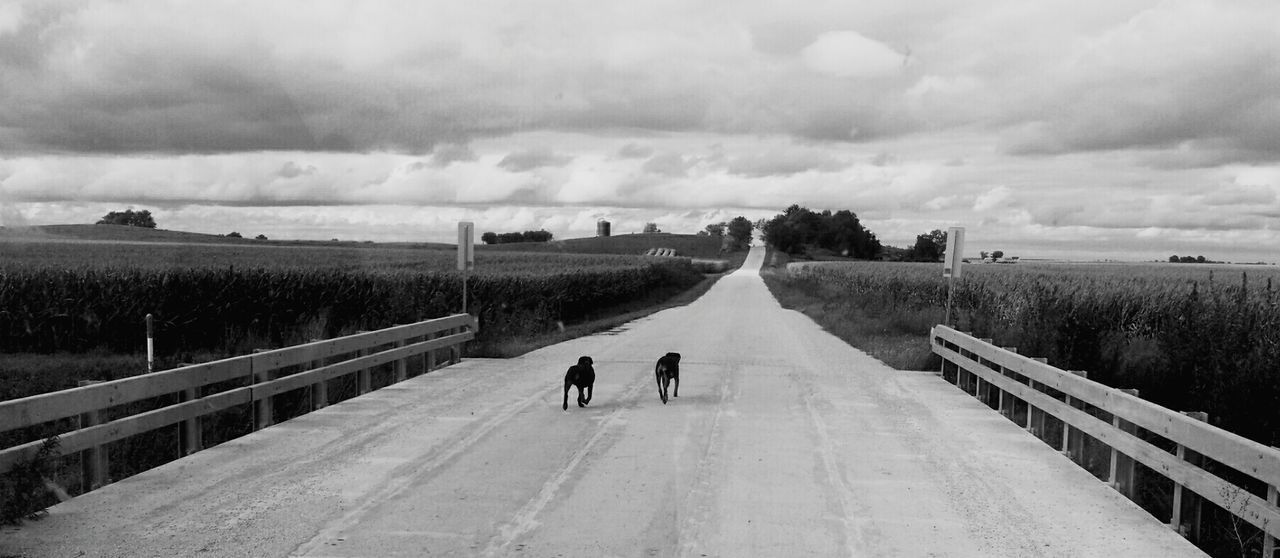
(798, 227)
(129, 218)
(929, 247)
(997, 254)
(233, 234)
(740, 232)
(651, 228)
(260, 237)
(1173, 258)
(984, 255)
(489, 238)
(715, 229)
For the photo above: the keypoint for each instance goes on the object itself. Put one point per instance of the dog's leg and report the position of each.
(565, 405)
(589, 390)
(676, 393)
(581, 402)
(663, 385)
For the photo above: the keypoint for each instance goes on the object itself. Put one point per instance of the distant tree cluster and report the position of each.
(515, 237)
(129, 218)
(651, 228)
(739, 231)
(1189, 259)
(841, 232)
(929, 247)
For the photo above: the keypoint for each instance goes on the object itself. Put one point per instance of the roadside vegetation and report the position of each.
(1189, 338)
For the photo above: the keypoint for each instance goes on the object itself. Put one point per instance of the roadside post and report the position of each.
(951, 261)
(466, 255)
(151, 344)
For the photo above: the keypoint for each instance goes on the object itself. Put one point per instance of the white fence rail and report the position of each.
(1062, 395)
(354, 354)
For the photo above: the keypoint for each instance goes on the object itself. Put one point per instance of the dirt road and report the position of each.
(784, 442)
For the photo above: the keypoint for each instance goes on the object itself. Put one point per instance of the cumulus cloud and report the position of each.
(850, 54)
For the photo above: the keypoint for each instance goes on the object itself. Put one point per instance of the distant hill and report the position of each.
(120, 233)
(692, 245)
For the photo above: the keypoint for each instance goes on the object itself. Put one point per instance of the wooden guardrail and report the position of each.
(1040, 385)
(89, 402)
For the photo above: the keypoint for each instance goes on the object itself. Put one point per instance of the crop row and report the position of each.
(231, 309)
(1195, 343)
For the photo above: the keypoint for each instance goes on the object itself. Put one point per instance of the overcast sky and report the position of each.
(1081, 128)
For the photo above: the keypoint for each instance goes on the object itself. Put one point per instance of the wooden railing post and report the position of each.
(190, 436)
(1007, 409)
(401, 366)
(365, 375)
(1269, 541)
(455, 350)
(320, 389)
(1175, 518)
(1066, 427)
(1037, 426)
(429, 358)
(1117, 468)
(93, 461)
(262, 408)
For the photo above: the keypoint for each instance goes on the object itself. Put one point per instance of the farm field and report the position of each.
(84, 301)
(1189, 337)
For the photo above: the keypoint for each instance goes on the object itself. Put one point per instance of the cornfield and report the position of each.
(1193, 338)
(75, 298)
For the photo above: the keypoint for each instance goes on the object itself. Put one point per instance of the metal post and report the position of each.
(151, 345)
(951, 281)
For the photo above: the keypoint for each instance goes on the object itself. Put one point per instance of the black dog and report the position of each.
(583, 376)
(667, 369)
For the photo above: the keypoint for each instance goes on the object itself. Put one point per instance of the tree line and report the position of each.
(515, 237)
(797, 229)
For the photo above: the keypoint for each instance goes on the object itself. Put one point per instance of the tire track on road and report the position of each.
(400, 482)
(524, 520)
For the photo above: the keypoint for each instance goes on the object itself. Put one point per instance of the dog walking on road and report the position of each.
(668, 369)
(582, 376)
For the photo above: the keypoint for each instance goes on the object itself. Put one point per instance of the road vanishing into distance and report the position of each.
(784, 441)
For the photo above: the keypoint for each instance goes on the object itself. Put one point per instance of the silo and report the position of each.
(602, 228)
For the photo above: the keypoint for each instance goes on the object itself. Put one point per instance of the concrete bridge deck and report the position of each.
(784, 442)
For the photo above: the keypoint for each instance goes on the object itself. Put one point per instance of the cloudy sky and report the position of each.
(1081, 128)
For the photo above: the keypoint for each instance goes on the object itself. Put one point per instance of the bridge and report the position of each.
(784, 441)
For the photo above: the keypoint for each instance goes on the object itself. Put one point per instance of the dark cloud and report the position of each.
(668, 164)
(446, 154)
(292, 170)
(533, 158)
(634, 151)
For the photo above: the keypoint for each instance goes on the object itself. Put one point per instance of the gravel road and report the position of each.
(784, 442)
